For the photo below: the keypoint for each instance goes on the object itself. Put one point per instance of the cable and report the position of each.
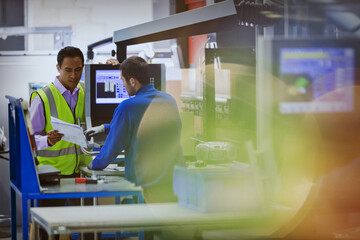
(254, 13)
(2, 157)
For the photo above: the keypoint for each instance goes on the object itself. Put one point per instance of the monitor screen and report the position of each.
(109, 87)
(312, 72)
(304, 81)
(105, 90)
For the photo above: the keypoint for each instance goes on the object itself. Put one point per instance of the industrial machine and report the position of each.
(274, 116)
(283, 97)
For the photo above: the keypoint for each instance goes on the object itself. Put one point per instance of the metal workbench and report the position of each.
(157, 216)
(24, 179)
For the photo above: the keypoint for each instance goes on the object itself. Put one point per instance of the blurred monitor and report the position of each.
(299, 78)
(312, 72)
(310, 69)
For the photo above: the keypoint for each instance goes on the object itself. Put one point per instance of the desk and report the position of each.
(111, 185)
(57, 220)
(24, 179)
(115, 187)
(84, 170)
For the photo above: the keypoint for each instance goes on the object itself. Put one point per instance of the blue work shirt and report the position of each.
(148, 128)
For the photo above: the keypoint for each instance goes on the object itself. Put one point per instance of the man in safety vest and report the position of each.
(64, 99)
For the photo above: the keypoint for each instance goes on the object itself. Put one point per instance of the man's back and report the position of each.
(148, 128)
(155, 144)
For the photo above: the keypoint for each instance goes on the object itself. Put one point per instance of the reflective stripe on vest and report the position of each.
(61, 152)
(51, 100)
(82, 84)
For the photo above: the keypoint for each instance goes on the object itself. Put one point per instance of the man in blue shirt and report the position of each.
(147, 126)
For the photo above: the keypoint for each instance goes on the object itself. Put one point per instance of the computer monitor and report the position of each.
(105, 90)
(304, 76)
(109, 88)
(310, 72)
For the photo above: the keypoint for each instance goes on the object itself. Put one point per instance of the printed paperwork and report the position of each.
(114, 167)
(72, 133)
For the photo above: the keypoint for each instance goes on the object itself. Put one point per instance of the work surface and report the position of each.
(119, 171)
(67, 185)
(135, 217)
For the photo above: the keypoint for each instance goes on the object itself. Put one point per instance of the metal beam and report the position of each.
(213, 18)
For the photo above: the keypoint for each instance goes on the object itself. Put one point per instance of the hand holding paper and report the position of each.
(53, 136)
(72, 133)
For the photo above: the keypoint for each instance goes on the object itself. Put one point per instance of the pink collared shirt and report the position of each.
(37, 115)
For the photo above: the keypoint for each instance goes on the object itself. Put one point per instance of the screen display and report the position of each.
(105, 89)
(310, 73)
(109, 87)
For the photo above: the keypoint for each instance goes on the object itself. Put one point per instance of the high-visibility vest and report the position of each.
(65, 156)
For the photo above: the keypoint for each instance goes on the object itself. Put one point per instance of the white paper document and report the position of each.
(72, 133)
(114, 167)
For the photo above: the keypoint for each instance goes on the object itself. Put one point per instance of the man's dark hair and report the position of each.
(69, 52)
(135, 67)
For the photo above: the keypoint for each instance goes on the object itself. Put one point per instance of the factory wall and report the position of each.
(91, 20)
